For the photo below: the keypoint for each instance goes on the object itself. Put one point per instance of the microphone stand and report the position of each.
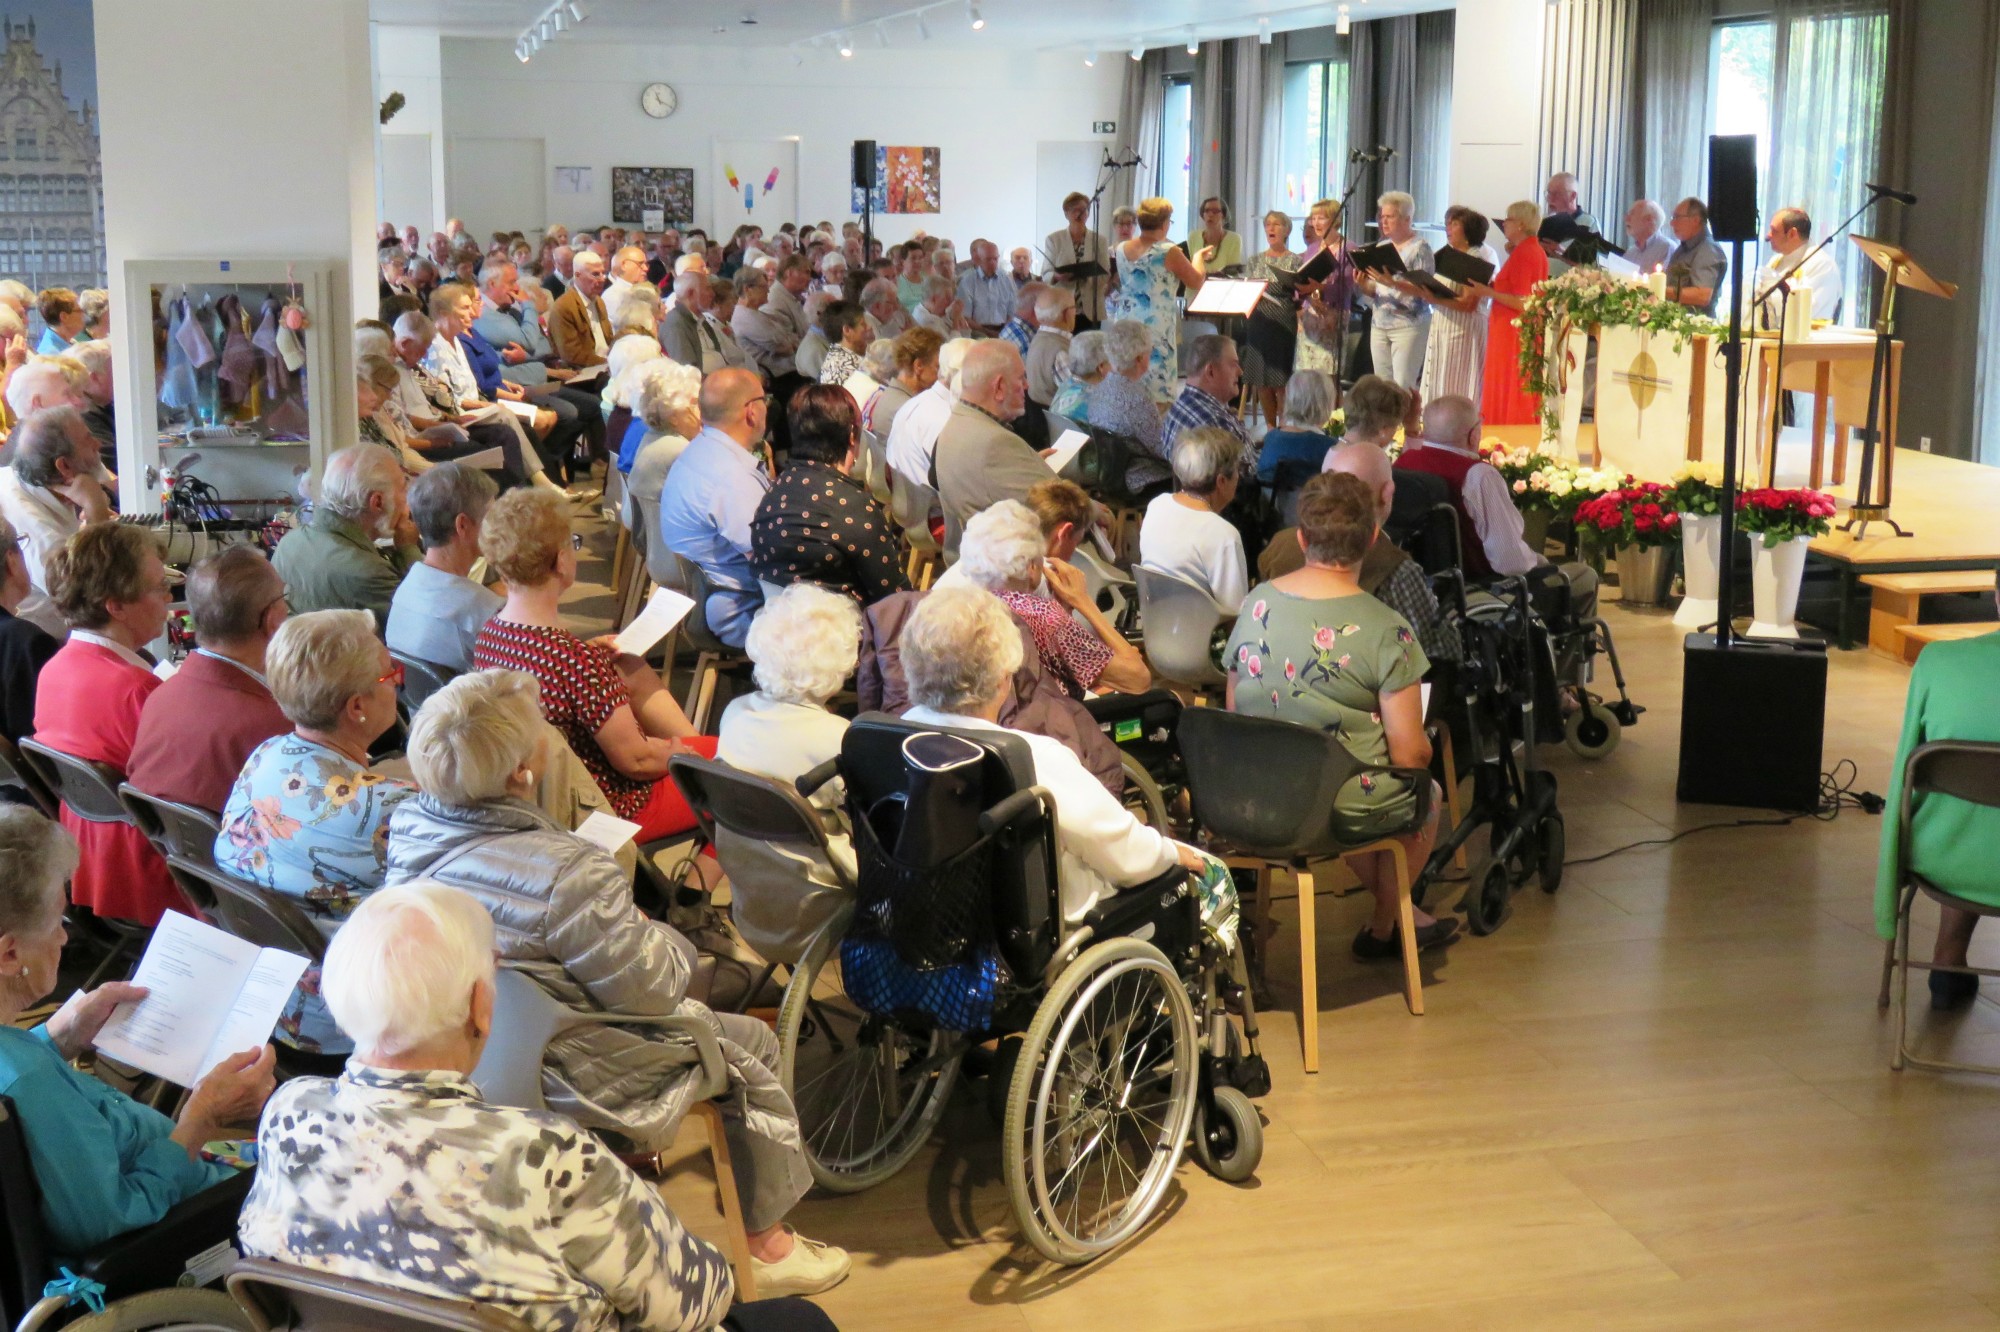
(1104, 182)
(1356, 160)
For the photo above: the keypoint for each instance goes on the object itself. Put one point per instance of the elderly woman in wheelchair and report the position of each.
(1002, 889)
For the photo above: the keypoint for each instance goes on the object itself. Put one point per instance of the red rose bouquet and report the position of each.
(1637, 513)
(1780, 515)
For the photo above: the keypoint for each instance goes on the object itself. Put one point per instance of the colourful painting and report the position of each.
(669, 189)
(907, 180)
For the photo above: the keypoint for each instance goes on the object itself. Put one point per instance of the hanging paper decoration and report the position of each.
(771, 181)
(749, 197)
(729, 174)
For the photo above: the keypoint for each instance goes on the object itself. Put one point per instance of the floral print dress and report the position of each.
(1146, 293)
(309, 822)
(1326, 663)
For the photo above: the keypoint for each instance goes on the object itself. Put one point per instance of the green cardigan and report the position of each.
(1954, 844)
(330, 564)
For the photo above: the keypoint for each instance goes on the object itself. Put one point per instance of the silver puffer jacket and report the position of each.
(563, 912)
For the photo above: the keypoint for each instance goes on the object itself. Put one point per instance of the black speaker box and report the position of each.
(1753, 718)
(1732, 186)
(864, 164)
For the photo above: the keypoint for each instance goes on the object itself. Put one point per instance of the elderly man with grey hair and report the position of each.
(979, 460)
(50, 492)
(1646, 242)
(684, 334)
(1047, 354)
(1208, 393)
(886, 316)
(99, 415)
(1387, 573)
(437, 610)
(520, 1210)
(332, 563)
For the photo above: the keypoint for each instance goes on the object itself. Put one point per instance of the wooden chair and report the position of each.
(526, 1018)
(1267, 789)
(712, 655)
(1964, 770)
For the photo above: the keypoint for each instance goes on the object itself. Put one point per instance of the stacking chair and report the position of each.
(910, 505)
(16, 773)
(712, 655)
(876, 453)
(617, 506)
(421, 679)
(278, 1297)
(138, 1269)
(1100, 467)
(178, 831)
(1266, 789)
(1178, 621)
(526, 1018)
(90, 789)
(1964, 770)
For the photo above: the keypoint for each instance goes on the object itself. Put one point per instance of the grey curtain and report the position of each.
(1671, 147)
(1361, 104)
(1399, 96)
(1589, 54)
(1430, 156)
(1829, 69)
(1139, 111)
(1209, 134)
(1238, 99)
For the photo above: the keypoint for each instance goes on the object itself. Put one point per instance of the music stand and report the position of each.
(1901, 270)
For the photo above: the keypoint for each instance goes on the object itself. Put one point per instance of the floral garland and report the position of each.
(1589, 297)
(1781, 515)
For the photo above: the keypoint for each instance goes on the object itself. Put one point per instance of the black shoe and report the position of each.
(1952, 989)
(1371, 949)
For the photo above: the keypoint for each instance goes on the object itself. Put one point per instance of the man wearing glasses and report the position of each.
(712, 493)
(1696, 269)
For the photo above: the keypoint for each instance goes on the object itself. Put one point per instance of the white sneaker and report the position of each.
(808, 1269)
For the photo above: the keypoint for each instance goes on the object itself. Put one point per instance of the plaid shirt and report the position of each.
(1195, 407)
(1408, 593)
(1019, 332)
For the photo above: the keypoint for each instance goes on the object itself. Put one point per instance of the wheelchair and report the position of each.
(1126, 1055)
(1506, 669)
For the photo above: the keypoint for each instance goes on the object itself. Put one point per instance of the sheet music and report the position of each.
(1066, 448)
(1227, 296)
(587, 374)
(664, 609)
(524, 410)
(259, 1005)
(606, 831)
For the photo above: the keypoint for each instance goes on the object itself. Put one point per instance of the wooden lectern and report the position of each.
(1871, 503)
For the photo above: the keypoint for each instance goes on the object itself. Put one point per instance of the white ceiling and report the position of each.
(1033, 25)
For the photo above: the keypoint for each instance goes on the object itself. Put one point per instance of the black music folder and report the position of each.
(1461, 266)
(1380, 257)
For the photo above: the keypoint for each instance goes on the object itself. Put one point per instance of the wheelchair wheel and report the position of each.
(1592, 731)
(1102, 1101)
(1553, 846)
(1228, 1143)
(868, 1089)
(1488, 902)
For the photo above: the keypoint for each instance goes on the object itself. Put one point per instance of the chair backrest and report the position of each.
(877, 455)
(1967, 770)
(89, 788)
(421, 679)
(910, 505)
(173, 827)
(746, 804)
(19, 774)
(1178, 620)
(251, 911)
(696, 585)
(1263, 785)
(24, 1268)
(1435, 542)
(296, 1299)
(1022, 885)
(525, 1019)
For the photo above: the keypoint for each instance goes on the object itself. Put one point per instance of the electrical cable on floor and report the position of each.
(1836, 792)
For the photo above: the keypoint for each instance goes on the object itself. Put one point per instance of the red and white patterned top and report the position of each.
(581, 689)
(1071, 653)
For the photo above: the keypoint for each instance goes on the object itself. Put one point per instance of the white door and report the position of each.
(406, 181)
(1061, 167)
(496, 184)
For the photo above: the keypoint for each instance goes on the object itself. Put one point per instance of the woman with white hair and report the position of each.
(1121, 401)
(960, 651)
(104, 1163)
(519, 1210)
(563, 912)
(308, 817)
(1402, 325)
(1005, 551)
(666, 403)
(628, 357)
(1295, 451)
(1088, 364)
(1184, 534)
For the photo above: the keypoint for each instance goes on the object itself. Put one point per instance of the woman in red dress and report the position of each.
(1505, 399)
(111, 588)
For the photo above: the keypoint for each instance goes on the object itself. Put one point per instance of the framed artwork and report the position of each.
(753, 181)
(669, 189)
(907, 180)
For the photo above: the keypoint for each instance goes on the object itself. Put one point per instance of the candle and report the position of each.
(1656, 282)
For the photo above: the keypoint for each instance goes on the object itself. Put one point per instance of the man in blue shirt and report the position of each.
(988, 294)
(1213, 375)
(509, 323)
(712, 493)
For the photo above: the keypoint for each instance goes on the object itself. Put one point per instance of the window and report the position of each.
(1313, 134)
(1740, 61)
(24, 143)
(10, 251)
(79, 195)
(1175, 177)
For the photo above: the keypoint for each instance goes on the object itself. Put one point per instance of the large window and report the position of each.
(1740, 57)
(1313, 135)
(1176, 178)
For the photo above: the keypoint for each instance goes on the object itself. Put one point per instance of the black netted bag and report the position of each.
(925, 871)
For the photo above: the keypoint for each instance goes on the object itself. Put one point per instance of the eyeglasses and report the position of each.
(394, 677)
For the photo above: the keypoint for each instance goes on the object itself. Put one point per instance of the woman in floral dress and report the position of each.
(1314, 649)
(1147, 267)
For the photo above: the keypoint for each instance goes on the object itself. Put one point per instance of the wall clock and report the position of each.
(659, 100)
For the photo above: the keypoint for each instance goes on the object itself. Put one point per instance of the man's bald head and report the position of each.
(1372, 465)
(732, 401)
(994, 378)
(1450, 419)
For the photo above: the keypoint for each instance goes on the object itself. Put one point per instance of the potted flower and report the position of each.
(1697, 497)
(1637, 522)
(1785, 521)
(1527, 474)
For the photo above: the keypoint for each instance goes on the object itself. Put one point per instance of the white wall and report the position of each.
(286, 172)
(984, 111)
(1495, 102)
(408, 61)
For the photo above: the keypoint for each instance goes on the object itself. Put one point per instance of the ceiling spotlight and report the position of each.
(1138, 53)
(521, 50)
(846, 47)
(1194, 45)
(576, 14)
(1263, 32)
(1090, 61)
(547, 31)
(561, 18)
(972, 12)
(923, 28)
(1340, 24)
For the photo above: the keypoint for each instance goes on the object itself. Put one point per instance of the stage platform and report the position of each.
(1950, 507)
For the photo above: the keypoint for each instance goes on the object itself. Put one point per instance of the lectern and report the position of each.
(1871, 502)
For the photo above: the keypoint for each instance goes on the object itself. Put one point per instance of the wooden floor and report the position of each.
(1659, 1099)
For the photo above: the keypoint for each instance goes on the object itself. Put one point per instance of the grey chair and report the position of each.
(526, 1018)
(1112, 589)
(712, 655)
(278, 1297)
(90, 790)
(1267, 789)
(1963, 770)
(15, 772)
(876, 454)
(178, 830)
(1178, 621)
(421, 679)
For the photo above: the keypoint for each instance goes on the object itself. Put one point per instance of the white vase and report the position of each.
(1775, 575)
(1701, 567)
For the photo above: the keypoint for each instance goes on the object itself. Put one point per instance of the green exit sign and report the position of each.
(1104, 127)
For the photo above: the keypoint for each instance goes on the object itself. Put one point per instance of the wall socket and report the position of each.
(1923, 443)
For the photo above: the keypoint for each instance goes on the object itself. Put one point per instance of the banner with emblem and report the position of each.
(1643, 388)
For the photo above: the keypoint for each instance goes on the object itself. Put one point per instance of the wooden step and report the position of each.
(1896, 600)
(1916, 636)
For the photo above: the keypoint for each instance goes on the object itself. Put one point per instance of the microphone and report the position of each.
(1900, 196)
(1383, 152)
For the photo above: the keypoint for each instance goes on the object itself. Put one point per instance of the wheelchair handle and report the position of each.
(815, 778)
(1014, 809)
